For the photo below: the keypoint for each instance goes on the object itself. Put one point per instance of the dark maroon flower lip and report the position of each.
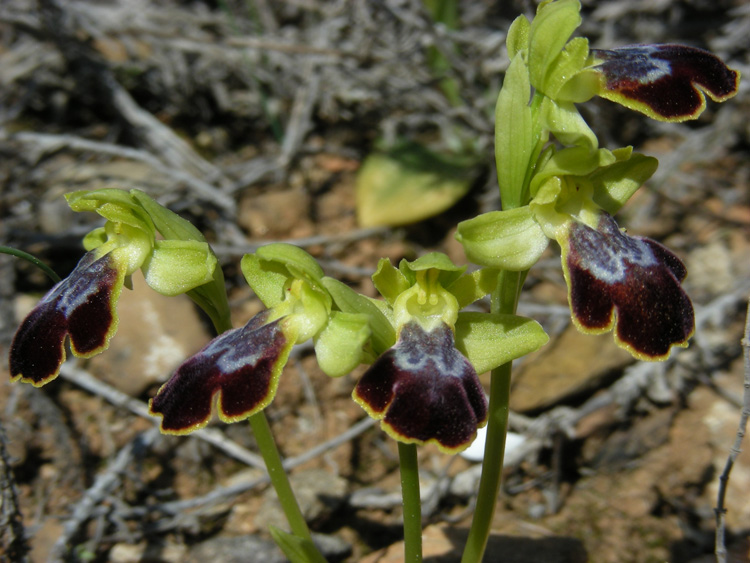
(424, 390)
(82, 307)
(631, 283)
(239, 370)
(665, 81)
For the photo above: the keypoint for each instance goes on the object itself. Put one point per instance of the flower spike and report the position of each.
(666, 82)
(81, 307)
(239, 370)
(424, 390)
(632, 283)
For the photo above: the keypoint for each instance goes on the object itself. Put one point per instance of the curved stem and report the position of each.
(504, 300)
(407, 456)
(51, 274)
(279, 479)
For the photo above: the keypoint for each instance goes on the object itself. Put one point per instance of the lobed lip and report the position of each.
(238, 370)
(82, 307)
(666, 81)
(630, 283)
(423, 390)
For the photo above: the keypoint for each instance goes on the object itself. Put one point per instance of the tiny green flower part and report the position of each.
(666, 82)
(629, 283)
(424, 390)
(238, 371)
(81, 307)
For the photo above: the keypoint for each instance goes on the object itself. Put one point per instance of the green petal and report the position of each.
(177, 266)
(510, 240)
(340, 346)
(490, 340)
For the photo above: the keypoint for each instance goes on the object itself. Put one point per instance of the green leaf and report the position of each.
(349, 301)
(177, 266)
(339, 348)
(409, 184)
(510, 240)
(298, 550)
(550, 30)
(514, 135)
(490, 340)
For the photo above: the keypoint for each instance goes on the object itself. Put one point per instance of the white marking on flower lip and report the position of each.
(607, 253)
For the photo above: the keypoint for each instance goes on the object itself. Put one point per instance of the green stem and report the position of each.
(33, 259)
(407, 455)
(504, 300)
(279, 479)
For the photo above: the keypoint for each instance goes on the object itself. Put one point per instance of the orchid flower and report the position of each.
(83, 306)
(570, 193)
(424, 387)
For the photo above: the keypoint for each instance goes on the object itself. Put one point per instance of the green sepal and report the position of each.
(566, 124)
(297, 549)
(177, 266)
(509, 240)
(210, 296)
(514, 135)
(349, 301)
(167, 222)
(389, 280)
(273, 267)
(572, 161)
(340, 346)
(517, 39)
(114, 205)
(568, 64)
(550, 30)
(490, 340)
(472, 287)
(449, 272)
(615, 184)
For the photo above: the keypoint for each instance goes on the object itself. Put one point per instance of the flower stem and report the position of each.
(407, 455)
(51, 274)
(279, 479)
(504, 300)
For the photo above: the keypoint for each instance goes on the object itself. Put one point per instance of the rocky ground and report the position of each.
(252, 119)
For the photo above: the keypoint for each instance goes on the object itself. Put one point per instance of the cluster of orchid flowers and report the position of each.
(424, 352)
